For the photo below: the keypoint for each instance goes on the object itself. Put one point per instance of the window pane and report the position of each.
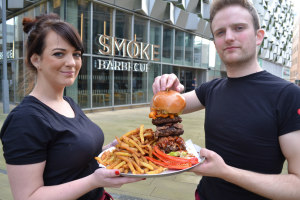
(188, 49)
(217, 74)
(80, 91)
(179, 42)
(140, 29)
(41, 9)
(56, 6)
(19, 80)
(155, 37)
(123, 25)
(212, 54)
(78, 14)
(205, 53)
(122, 87)
(168, 69)
(30, 14)
(18, 36)
(197, 51)
(211, 75)
(102, 83)
(139, 86)
(153, 71)
(168, 45)
(102, 24)
(218, 62)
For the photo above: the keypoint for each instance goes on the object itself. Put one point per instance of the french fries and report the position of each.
(130, 153)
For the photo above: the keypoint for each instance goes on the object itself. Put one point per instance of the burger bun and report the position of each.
(170, 101)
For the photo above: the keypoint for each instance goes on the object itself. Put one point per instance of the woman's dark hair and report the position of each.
(38, 29)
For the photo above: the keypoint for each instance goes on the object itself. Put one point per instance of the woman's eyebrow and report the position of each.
(59, 49)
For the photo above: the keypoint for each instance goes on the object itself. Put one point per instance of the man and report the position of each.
(252, 119)
(194, 83)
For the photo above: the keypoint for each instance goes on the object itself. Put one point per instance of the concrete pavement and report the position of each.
(117, 123)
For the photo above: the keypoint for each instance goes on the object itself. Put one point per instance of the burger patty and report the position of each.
(171, 143)
(163, 131)
(161, 120)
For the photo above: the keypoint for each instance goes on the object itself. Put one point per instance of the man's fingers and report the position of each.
(156, 85)
(163, 82)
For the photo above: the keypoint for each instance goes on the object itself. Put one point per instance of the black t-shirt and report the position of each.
(243, 119)
(33, 133)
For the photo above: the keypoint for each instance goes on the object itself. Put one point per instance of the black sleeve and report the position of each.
(201, 91)
(288, 110)
(25, 136)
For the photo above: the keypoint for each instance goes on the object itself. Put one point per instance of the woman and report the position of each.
(48, 142)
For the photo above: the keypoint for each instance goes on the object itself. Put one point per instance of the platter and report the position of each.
(191, 148)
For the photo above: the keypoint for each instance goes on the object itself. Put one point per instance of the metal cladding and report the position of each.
(276, 20)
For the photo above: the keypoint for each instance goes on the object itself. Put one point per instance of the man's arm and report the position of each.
(282, 186)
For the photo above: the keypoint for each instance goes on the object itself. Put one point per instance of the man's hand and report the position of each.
(213, 165)
(167, 81)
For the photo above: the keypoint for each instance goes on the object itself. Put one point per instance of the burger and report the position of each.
(165, 111)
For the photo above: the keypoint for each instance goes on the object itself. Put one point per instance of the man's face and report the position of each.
(234, 35)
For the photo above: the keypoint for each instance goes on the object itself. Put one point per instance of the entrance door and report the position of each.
(10, 78)
(186, 78)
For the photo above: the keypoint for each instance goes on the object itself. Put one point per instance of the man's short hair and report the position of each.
(218, 5)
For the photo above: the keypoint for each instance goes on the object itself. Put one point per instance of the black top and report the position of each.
(33, 133)
(243, 119)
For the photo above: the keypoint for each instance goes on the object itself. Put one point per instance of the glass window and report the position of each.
(179, 42)
(155, 37)
(18, 37)
(197, 51)
(188, 49)
(102, 25)
(80, 91)
(40, 9)
(30, 14)
(168, 69)
(56, 6)
(78, 14)
(140, 29)
(122, 86)
(139, 86)
(211, 75)
(212, 54)
(218, 62)
(123, 25)
(102, 83)
(217, 74)
(153, 71)
(9, 39)
(168, 45)
(205, 53)
(19, 80)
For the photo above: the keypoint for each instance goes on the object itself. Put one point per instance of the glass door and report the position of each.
(186, 79)
(10, 78)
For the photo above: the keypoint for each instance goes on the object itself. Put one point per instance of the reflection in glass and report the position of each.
(102, 84)
(19, 80)
(41, 9)
(197, 51)
(140, 29)
(218, 62)
(153, 71)
(80, 91)
(78, 14)
(122, 87)
(18, 40)
(155, 37)
(168, 69)
(217, 74)
(168, 45)
(57, 6)
(205, 53)
(188, 49)
(211, 75)
(102, 24)
(123, 25)
(139, 86)
(212, 54)
(179, 42)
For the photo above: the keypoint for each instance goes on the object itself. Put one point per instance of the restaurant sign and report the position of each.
(125, 48)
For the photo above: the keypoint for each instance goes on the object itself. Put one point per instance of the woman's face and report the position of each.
(60, 62)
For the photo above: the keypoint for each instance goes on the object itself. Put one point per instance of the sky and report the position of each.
(297, 6)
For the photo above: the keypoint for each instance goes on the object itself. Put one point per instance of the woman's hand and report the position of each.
(167, 81)
(112, 144)
(111, 178)
(213, 165)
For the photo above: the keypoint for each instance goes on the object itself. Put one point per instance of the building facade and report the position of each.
(295, 68)
(130, 42)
